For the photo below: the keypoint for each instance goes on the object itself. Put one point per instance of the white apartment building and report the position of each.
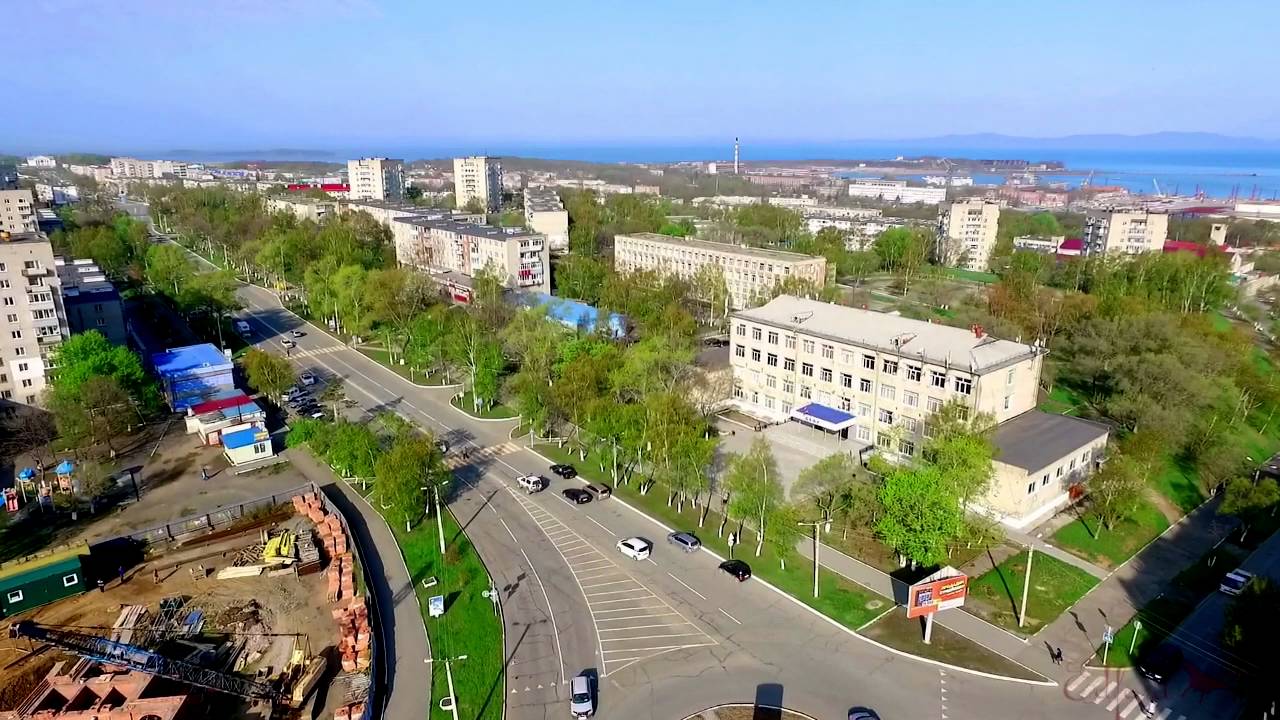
(750, 273)
(477, 178)
(127, 167)
(874, 379)
(1128, 231)
(896, 191)
(375, 179)
(17, 211)
(795, 203)
(42, 161)
(1047, 244)
(303, 208)
(57, 194)
(32, 319)
(450, 248)
(967, 233)
(545, 214)
(101, 173)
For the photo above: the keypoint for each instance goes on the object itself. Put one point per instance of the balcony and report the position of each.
(35, 271)
(46, 340)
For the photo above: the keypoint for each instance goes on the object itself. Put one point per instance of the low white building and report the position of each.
(795, 203)
(246, 443)
(42, 161)
(303, 208)
(897, 191)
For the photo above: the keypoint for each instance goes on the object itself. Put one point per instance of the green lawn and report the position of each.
(1055, 586)
(497, 412)
(970, 275)
(1062, 401)
(1180, 483)
(1111, 547)
(907, 635)
(382, 357)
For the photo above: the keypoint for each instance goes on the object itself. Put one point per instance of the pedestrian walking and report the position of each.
(1057, 656)
(155, 575)
(204, 473)
(120, 570)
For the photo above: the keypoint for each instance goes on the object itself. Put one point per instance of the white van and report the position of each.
(243, 328)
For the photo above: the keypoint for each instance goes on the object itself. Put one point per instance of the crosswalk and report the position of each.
(1109, 691)
(312, 352)
(456, 459)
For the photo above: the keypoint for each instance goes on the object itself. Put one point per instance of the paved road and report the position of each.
(743, 641)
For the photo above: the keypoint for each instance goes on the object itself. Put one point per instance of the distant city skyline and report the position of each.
(151, 76)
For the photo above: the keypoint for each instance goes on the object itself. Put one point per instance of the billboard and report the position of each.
(942, 590)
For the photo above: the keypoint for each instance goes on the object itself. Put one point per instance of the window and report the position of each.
(807, 346)
(806, 369)
(806, 392)
(1031, 488)
(1058, 472)
(1084, 456)
(933, 405)
(772, 360)
(864, 385)
(8, 301)
(742, 330)
(737, 392)
(740, 350)
(846, 357)
(1008, 400)
(864, 410)
(888, 392)
(937, 379)
(789, 342)
(906, 447)
(884, 440)
(828, 352)
(846, 380)
(11, 318)
(869, 362)
(102, 322)
(19, 351)
(755, 354)
(259, 448)
(97, 308)
(15, 334)
(69, 580)
(22, 367)
(1073, 464)
(3, 267)
(773, 338)
(788, 364)
(786, 407)
(910, 399)
(826, 375)
(1008, 378)
(964, 385)
(913, 373)
(863, 433)
(6, 394)
(768, 401)
(771, 381)
(1044, 480)
(846, 404)
(890, 367)
(14, 597)
(911, 424)
(4, 284)
(755, 397)
(788, 386)
(26, 382)
(886, 417)
(755, 333)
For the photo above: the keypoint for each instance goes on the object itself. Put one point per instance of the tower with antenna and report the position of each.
(735, 156)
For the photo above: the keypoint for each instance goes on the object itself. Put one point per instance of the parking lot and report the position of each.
(631, 622)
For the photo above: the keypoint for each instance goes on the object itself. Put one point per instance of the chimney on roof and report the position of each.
(978, 331)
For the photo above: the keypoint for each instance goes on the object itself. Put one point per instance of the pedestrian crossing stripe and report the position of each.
(456, 460)
(317, 351)
(1096, 690)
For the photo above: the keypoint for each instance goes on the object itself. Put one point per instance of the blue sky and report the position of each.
(137, 75)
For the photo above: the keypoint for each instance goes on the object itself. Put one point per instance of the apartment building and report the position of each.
(17, 211)
(897, 191)
(1124, 230)
(32, 320)
(455, 251)
(101, 173)
(303, 208)
(480, 178)
(375, 179)
(967, 233)
(750, 273)
(875, 378)
(127, 167)
(8, 176)
(89, 300)
(545, 214)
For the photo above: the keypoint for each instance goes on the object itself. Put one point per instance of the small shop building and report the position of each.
(246, 443)
(38, 580)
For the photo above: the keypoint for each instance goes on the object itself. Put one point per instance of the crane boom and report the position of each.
(135, 658)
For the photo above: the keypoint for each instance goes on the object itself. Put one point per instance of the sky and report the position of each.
(152, 75)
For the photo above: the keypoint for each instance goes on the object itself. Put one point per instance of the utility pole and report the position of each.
(1026, 585)
(815, 525)
(439, 519)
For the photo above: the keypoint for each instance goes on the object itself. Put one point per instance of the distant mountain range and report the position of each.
(1161, 141)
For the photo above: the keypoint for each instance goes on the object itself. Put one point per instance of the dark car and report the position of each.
(599, 490)
(576, 496)
(1161, 664)
(686, 541)
(737, 568)
(717, 342)
(565, 471)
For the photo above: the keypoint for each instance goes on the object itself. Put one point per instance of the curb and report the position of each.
(478, 419)
(819, 614)
(361, 350)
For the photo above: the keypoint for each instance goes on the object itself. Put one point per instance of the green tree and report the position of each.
(268, 372)
(167, 269)
(402, 473)
(826, 485)
(784, 532)
(474, 205)
(426, 346)
(903, 251)
(754, 488)
(1245, 497)
(89, 354)
(412, 193)
(711, 288)
(922, 514)
(1115, 491)
(580, 276)
(99, 411)
(353, 449)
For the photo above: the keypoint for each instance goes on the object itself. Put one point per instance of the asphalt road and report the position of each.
(668, 637)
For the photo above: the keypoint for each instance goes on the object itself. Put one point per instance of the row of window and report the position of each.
(961, 384)
(1061, 470)
(16, 596)
(885, 416)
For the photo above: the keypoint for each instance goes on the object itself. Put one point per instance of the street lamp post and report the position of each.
(448, 674)
(815, 525)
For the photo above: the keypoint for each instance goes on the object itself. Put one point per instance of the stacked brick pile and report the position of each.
(354, 711)
(353, 622)
(333, 540)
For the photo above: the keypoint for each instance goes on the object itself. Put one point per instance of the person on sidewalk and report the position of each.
(1057, 656)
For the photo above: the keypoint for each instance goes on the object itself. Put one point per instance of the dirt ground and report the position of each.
(269, 611)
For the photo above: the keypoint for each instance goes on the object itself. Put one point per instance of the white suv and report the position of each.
(636, 548)
(532, 483)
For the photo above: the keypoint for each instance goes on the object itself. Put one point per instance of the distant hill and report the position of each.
(231, 155)
(1167, 141)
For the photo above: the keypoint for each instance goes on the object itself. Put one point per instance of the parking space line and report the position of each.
(611, 592)
(602, 602)
(660, 647)
(632, 617)
(611, 582)
(686, 586)
(632, 627)
(729, 616)
(649, 637)
(602, 527)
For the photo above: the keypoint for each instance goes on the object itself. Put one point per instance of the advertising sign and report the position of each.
(936, 593)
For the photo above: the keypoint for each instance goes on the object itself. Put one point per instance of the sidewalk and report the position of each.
(1020, 538)
(1143, 577)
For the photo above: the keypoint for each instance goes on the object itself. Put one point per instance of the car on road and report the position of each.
(599, 490)
(565, 471)
(307, 379)
(286, 342)
(636, 548)
(1235, 582)
(686, 541)
(533, 483)
(243, 328)
(297, 333)
(576, 496)
(315, 413)
(737, 569)
(1161, 664)
(580, 703)
(860, 713)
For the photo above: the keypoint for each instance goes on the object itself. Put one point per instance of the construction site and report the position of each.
(263, 618)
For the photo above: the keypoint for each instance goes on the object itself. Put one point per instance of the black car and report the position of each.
(1161, 664)
(565, 471)
(686, 541)
(577, 496)
(717, 342)
(737, 568)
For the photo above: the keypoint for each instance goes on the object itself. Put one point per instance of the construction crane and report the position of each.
(133, 657)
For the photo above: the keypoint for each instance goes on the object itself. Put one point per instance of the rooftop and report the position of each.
(176, 361)
(465, 228)
(779, 255)
(1035, 439)
(931, 342)
(14, 238)
(247, 436)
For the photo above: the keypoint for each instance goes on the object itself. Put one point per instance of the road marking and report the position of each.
(555, 631)
(647, 637)
(513, 535)
(600, 526)
(631, 617)
(1075, 683)
(1111, 706)
(610, 592)
(1133, 703)
(634, 627)
(1096, 682)
(1105, 692)
(686, 586)
(611, 582)
(729, 616)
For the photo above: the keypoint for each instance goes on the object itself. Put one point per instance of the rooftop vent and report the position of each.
(801, 316)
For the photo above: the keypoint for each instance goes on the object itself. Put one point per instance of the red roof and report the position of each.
(335, 187)
(219, 404)
(1072, 244)
(1197, 248)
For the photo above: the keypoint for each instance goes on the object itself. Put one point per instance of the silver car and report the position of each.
(580, 703)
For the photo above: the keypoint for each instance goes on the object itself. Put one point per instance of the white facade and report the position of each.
(42, 161)
(57, 194)
(127, 167)
(376, 179)
(100, 173)
(477, 178)
(1258, 208)
(545, 214)
(896, 191)
(944, 181)
(795, 203)
(32, 318)
(967, 233)
(442, 245)
(17, 211)
(303, 208)
(1128, 231)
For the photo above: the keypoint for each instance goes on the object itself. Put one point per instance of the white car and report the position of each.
(288, 343)
(1235, 582)
(307, 378)
(532, 483)
(636, 548)
(297, 333)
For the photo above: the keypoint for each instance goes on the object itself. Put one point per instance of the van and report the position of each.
(580, 704)
(243, 328)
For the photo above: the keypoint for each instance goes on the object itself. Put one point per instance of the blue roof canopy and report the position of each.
(190, 359)
(64, 468)
(247, 436)
(827, 418)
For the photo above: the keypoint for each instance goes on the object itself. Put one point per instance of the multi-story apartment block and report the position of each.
(17, 211)
(456, 251)
(90, 301)
(32, 320)
(8, 177)
(480, 178)
(874, 379)
(303, 208)
(1128, 231)
(127, 167)
(750, 273)
(376, 179)
(544, 213)
(101, 173)
(896, 191)
(967, 233)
